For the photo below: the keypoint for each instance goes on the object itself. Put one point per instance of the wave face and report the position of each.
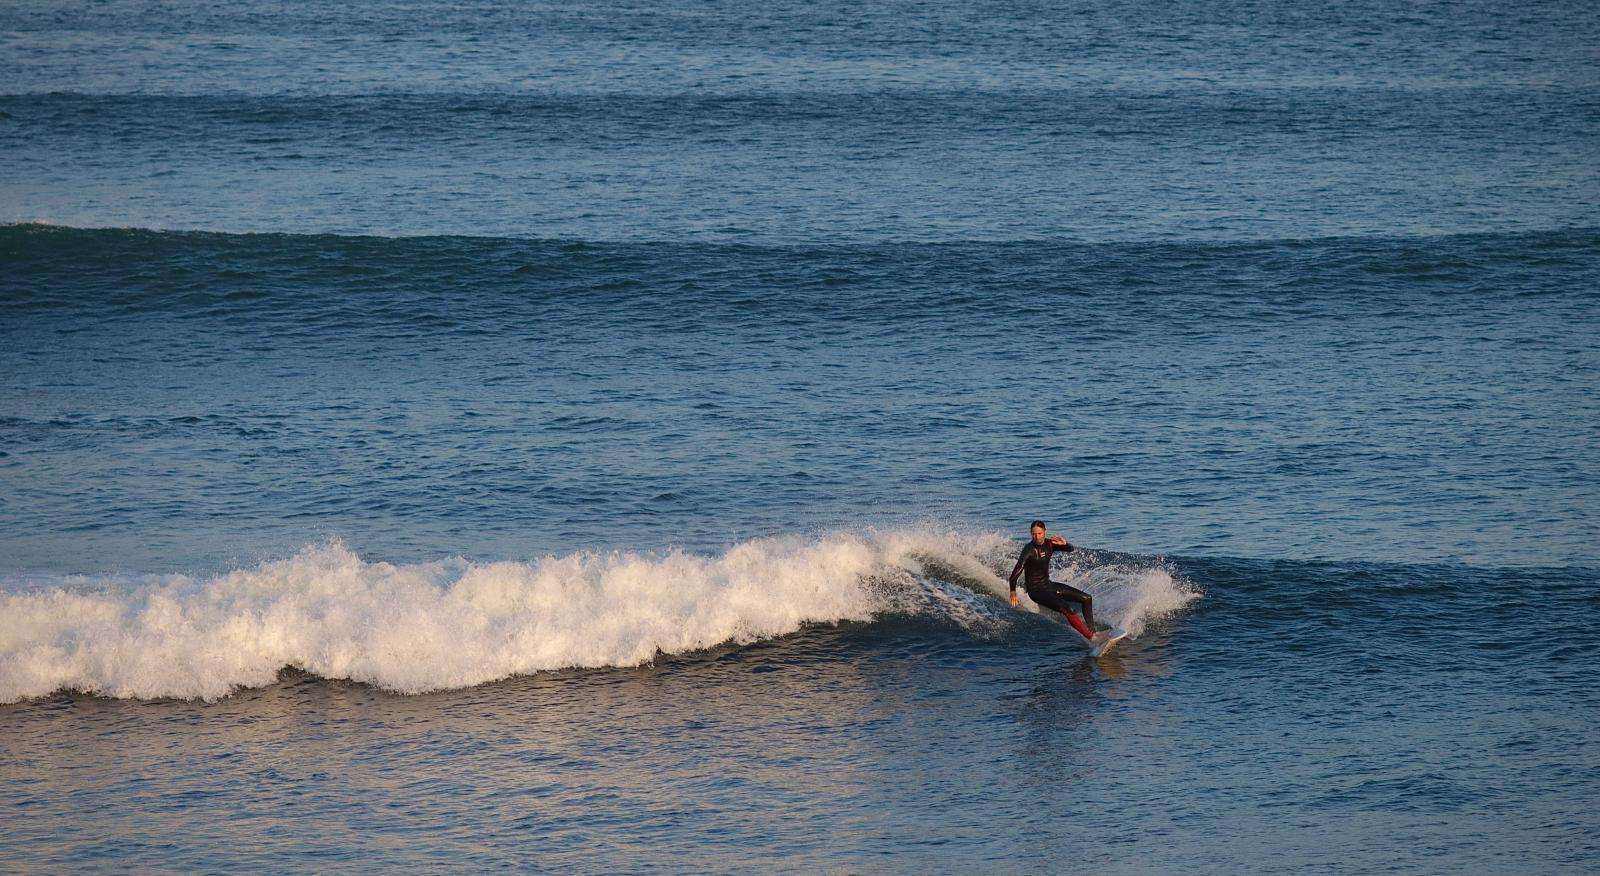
(1050, 162)
(454, 623)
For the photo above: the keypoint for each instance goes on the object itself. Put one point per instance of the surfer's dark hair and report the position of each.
(1038, 523)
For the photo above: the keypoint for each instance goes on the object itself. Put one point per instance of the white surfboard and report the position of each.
(1104, 639)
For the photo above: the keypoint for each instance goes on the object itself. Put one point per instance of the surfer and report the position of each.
(1035, 561)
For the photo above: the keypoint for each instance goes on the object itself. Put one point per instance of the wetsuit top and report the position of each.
(1035, 558)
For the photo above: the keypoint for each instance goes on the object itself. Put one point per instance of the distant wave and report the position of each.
(456, 623)
(36, 233)
(111, 273)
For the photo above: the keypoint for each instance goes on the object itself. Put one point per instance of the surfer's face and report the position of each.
(1038, 533)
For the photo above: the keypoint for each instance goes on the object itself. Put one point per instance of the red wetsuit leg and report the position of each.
(1077, 624)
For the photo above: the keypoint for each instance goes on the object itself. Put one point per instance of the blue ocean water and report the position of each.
(592, 437)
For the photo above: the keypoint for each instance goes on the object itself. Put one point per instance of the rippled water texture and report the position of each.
(1349, 717)
(592, 438)
(817, 121)
(1400, 400)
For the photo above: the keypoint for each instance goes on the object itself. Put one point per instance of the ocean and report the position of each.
(594, 437)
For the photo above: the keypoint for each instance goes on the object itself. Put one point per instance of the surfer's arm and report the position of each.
(1017, 569)
(1062, 544)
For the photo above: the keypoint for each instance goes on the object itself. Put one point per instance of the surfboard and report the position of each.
(1103, 640)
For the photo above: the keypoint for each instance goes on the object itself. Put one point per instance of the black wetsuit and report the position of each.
(1035, 562)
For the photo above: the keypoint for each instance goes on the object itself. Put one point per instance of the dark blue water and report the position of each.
(592, 438)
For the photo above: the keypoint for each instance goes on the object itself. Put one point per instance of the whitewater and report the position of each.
(589, 438)
(414, 628)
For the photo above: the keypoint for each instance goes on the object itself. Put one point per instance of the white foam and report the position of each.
(455, 623)
(1129, 594)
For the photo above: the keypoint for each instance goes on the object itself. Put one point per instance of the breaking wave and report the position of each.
(456, 623)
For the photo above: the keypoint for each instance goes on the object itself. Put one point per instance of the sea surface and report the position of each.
(592, 437)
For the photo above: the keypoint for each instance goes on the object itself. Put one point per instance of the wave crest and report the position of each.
(455, 623)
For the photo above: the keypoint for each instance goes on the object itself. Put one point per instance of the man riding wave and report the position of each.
(1035, 562)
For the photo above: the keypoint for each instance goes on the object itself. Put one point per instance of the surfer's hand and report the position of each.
(1013, 597)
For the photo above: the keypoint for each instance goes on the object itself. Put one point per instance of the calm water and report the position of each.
(590, 437)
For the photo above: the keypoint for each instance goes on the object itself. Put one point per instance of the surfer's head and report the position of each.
(1038, 530)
